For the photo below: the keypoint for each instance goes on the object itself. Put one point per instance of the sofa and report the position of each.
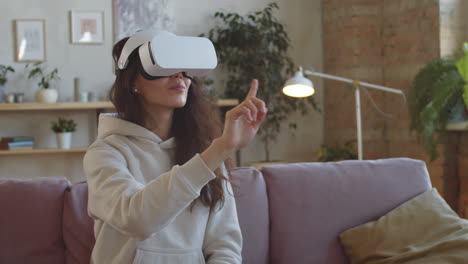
(289, 213)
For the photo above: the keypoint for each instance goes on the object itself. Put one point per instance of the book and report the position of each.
(20, 143)
(16, 139)
(14, 145)
(21, 148)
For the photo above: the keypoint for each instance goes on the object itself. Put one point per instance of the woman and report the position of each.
(158, 188)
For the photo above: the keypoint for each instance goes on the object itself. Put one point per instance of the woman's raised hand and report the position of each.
(242, 122)
(240, 127)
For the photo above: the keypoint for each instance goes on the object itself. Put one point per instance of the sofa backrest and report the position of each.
(252, 210)
(293, 213)
(252, 206)
(31, 220)
(310, 204)
(78, 232)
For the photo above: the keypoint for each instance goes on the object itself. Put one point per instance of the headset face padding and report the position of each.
(165, 54)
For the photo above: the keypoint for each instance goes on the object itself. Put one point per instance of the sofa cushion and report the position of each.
(78, 232)
(423, 230)
(31, 220)
(252, 209)
(312, 203)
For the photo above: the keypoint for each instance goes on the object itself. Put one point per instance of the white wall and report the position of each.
(89, 62)
(465, 7)
(452, 26)
(93, 65)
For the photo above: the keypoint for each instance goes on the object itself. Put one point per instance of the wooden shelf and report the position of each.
(41, 151)
(227, 102)
(70, 106)
(457, 126)
(55, 106)
(82, 106)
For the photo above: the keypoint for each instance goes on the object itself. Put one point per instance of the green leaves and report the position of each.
(256, 46)
(436, 89)
(46, 78)
(63, 125)
(337, 152)
(462, 66)
(3, 73)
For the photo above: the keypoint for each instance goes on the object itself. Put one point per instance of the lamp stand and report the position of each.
(357, 95)
(356, 84)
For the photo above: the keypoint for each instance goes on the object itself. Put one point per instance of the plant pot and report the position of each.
(458, 113)
(2, 93)
(49, 95)
(64, 140)
(9, 98)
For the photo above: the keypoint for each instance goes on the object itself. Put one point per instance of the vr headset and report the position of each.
(164, 54)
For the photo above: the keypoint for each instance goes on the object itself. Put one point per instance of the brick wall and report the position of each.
(411, 33)
(452, 25)
(387, 42)
(360, 38)
(453, 32)
(353, 48)
(463, 174)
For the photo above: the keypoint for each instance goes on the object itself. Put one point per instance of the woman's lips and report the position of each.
(178, 87)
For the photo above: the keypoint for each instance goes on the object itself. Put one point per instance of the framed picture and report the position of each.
(133, 15)
(86, 27)
(30, 40)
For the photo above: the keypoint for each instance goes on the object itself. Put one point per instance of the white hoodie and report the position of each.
(141, 202)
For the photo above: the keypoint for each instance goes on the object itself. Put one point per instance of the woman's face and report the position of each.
(168, 92)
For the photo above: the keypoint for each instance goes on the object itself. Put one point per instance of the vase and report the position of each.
(64, 140)
(2, 93)
(9, 98)
(457, 113)
(48, 96)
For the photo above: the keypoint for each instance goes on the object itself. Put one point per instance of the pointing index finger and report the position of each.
(253, 88)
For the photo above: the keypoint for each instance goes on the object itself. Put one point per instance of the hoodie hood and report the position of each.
(111, 124)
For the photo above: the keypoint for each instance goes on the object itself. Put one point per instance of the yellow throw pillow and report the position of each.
(422, 230)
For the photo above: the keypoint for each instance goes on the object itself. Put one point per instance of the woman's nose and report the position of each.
(178, 75)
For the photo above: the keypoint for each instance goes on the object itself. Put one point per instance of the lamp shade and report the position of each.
(298, 86)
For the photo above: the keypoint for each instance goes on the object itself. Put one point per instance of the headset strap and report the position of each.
(135, 41)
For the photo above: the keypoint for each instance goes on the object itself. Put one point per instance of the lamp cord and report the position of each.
(375, 105)
(356, 84)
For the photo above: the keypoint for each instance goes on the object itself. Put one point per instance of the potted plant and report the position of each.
(256, 46)
(337, 152)
(462, 66)
(3, 79)
(437, 91)
(46, 94)
(63, 128)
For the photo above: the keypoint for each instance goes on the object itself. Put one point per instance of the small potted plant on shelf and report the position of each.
(337, 152)
(47, 93)
(3, 79)
(63, 128)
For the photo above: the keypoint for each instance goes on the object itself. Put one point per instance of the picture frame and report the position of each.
(86, 27)
(30, 43)
(129, 16)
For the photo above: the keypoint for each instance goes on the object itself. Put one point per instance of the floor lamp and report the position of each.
(300, 86)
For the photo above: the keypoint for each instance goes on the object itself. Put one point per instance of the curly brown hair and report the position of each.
(199, 116)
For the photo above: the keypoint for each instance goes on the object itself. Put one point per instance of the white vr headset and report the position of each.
(164, 54)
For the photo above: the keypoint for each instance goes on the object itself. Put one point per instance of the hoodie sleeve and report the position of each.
(223, 237)
(134, 209)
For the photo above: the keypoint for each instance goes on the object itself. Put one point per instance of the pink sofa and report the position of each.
(289, 213)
